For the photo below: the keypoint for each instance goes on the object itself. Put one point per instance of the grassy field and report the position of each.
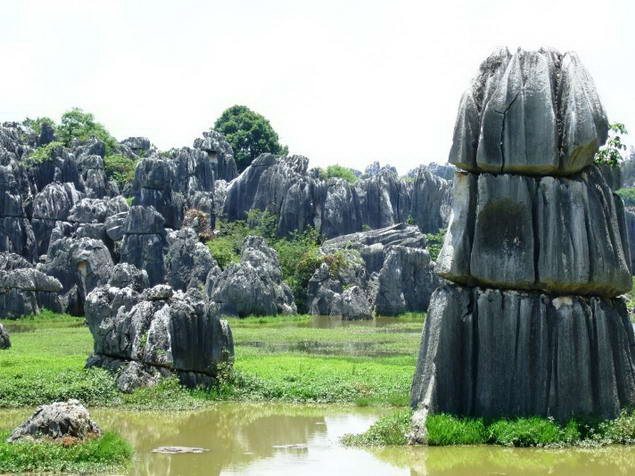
(106, 454)
(277, 358)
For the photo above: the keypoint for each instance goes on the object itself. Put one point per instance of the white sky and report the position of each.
(341, 81)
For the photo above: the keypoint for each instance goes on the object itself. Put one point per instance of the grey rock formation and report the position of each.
(144, 242)
(52, 204)
(80, 265)
(5, 342)
(154, 331)
(56, 421)
(630, 226)
(285, 187)
(187, 261)
(184, 179)
(493, 353)
(24, 290)
(560, 235)
(252, 287)
(406, 281)
(545, 333)
(524, 110)
(389, 266)
(16, 233)
(220, 153)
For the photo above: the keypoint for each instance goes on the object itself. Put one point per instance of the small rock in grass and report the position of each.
(5, 342)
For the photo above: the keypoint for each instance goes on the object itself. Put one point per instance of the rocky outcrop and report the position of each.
(495, 133)
(493, 353)
(16, 233)
(629, 216)
(389, 267)
(5, 342)
(187, 261)
(155, 331)
(253, 286)
(144, 242)
(301, 198)
(537, 254)
(220, 154)
(24, 290)
(52, 204)
(57, 421)
(80, 265)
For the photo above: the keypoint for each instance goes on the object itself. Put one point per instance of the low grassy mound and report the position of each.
(108, 452)
(447, 430)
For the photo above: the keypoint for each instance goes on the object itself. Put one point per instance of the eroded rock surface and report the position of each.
(56, 421)
(538, 252)
(388, 268)
(5, 341)
(253, 286)
(155, 331)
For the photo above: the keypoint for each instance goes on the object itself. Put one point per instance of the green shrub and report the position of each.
(44, 153)
(299, 257)
(618, 431)
(36, 124)
(120, 169)
(389, 430)
(337, 171)
(92, 455)
(444, 430)
(628, 195)
(532, 432)
(79, 125)
(435, 243)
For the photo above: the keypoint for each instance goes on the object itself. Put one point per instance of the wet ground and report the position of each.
(266, 439)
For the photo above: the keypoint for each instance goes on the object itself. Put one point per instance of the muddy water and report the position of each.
(303, 440)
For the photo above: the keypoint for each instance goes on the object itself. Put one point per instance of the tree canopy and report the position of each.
(249, 133)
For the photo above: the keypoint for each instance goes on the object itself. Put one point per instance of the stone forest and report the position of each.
(201, 311)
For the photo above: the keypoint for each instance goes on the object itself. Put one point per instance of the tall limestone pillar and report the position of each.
(529, 321)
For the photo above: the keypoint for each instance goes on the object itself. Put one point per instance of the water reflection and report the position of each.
(303, 440)
(363, 349)
(331, 322)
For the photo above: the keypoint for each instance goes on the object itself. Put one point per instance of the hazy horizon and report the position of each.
(341, 82)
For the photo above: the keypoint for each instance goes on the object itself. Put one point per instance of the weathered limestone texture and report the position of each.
(537, 255)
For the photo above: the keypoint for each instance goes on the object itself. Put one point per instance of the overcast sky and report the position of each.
(341, 81)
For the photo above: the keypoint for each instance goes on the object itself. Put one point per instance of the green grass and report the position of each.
(277, 358)
(390, 430)
(444, 430)
(448, 430)
(108, 452)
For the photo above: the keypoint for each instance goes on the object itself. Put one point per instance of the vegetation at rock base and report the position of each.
(611, 152)
(338, 171)
(299, 254)
(249, 133)
(448, 430)
(389, 430)
(109, 452)
(279, 358)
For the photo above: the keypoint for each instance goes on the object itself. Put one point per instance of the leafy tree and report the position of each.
(80, 125)
(120, 169)
(249, 133)
(338, 171)
(628, 196)
(611, 152)
(36, 124)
